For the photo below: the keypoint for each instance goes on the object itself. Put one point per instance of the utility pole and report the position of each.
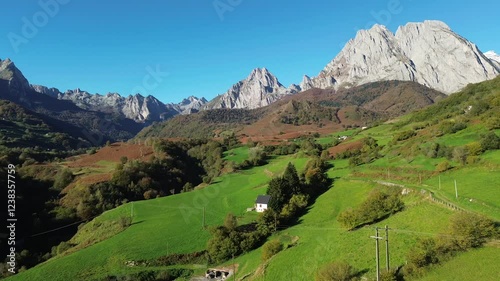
(275, 222)
(131, 211)
(387, 247)
(456, 190)
(376, 237)
(203, 223)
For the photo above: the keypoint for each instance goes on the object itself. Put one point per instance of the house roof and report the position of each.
(263, 199)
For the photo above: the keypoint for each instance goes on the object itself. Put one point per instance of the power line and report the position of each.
(55, 229)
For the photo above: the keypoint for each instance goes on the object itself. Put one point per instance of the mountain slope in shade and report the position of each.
(259, 89)
(429, 53)
(89, 125)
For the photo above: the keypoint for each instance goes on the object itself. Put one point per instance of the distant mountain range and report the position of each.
(428, 53)
(135, 107)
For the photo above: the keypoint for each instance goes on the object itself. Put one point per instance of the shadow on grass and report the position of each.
(297, 219)
(137, 222)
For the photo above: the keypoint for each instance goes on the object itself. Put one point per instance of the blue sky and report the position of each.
(176, 48)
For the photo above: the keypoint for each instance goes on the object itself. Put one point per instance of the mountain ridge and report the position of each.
(259, 89)
(428, 52)
(135, 107)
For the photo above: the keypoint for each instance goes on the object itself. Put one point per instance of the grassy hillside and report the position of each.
(165, 225)
(314, 110)
(423, 153)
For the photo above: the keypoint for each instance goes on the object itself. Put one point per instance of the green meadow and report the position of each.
(175, 224)
(162, 226)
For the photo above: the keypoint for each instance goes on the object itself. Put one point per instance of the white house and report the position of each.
(262, 202)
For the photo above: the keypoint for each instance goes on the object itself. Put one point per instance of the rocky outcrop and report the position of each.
(429, 53)
(259, 89)
(191, 104)
(494, 57)
(16, 80)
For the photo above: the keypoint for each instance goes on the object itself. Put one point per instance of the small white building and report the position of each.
(262, 202)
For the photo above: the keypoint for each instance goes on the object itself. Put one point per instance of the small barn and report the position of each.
(262, 203)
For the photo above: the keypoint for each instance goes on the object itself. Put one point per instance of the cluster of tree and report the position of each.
(151, 275)
(290, 196)
(37, 204)
(369, 152)
(257, 156)
(307, 113)
(337, 271)
(224, 115)
(29, 154)
(229, 240)
(450, 127)
(271, 248)
(403, 136)
(466, 154)
(291, 193)
(282, 189)
(379, 204)
(178, 167)
(210, 155)
(466, 231)
(282, 148)
(230, 141)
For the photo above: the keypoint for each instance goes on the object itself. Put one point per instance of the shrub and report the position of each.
(460, 154)
(380, 203)
(61, 248)
(150, 194)
(63, 178)
(490, 141)
(474, 148)
(271, 248)
(443, 166)
(471, 230)
(336, 271)
(388, 275)
(230, 222)
(404, 135)
(125, 221)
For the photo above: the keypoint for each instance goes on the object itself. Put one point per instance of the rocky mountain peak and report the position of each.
(263, 76)
(260, 88)
(17, 82)
(429, 53)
